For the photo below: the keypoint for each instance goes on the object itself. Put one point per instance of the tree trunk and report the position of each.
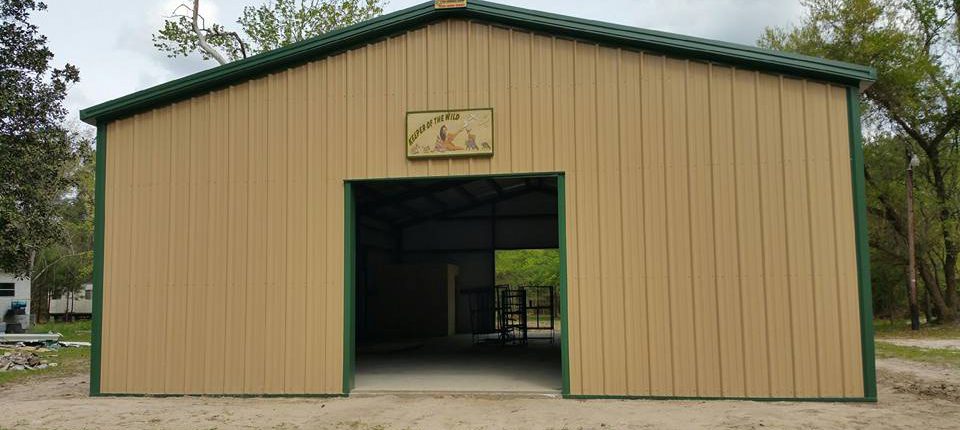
(36, 290)
(943, 312)
(69, 311)
(911, 251)
(950, 247)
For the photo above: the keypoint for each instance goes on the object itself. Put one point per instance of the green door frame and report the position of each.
(350, 267)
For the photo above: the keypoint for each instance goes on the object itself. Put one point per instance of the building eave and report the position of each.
(416, 16)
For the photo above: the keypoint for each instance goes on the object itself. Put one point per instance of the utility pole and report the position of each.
(912, 161)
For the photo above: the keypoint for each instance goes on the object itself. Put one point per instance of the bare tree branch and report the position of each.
(202, 39)
(34, 277)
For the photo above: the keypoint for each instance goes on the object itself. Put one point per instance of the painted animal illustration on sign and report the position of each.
(472, 142)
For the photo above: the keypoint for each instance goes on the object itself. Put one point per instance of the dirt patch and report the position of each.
(926, 380)
(925, 343)
(62, 387)
(62, 403)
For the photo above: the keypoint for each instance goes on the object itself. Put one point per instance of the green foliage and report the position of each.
(264, 27)
(178, 39)
(78, 331)
(913, 108)
(528, 267)
(35, 150)
(64, 266)
(283, 22)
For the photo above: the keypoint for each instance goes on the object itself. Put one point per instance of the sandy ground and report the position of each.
(925, 343)
(926, 380)
(911, 396)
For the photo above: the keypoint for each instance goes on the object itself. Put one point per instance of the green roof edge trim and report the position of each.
(412, 17)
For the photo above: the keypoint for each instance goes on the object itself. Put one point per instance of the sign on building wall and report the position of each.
(448, 4)
(450, 133)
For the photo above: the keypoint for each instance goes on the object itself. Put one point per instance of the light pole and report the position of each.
(912, 161)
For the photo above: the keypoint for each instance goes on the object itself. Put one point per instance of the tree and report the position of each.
(528, 267)
(913, 107)
(64, 266)
(263, 28)
(35, 149)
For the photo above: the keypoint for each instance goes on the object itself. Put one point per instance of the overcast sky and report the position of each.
(109, 40)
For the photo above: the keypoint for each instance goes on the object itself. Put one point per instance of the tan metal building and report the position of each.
(709, 204)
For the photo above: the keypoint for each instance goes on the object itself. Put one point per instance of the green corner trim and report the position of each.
(863, 245)
(415, 16)
(98, 229)
(749, 399)
(564, 306)
(349, 287)
(239, 396)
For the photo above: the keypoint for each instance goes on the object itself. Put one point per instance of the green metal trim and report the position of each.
(238, 396)
(349, 331)
(863, 245)
(564, 305)
(750, 399)
(670, 43)
(406, 19)
(96, 333)
(454, 177)
(349, 287)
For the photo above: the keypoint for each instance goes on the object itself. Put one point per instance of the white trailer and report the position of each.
(78, 304)
(14, 300)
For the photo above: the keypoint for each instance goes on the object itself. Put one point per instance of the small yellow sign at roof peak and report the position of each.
(449, 4)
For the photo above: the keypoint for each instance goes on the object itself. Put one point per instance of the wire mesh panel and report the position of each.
(541, 310)
(483, 313)
(513, 316)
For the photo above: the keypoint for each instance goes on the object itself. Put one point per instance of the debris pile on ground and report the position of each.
(29, 337)
(23, 360)
(45, 346)
(20, 351)
(38, 342)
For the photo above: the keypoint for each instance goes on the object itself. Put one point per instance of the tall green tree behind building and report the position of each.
(263, 28)
(36, 151)
(64, 266)
(913, 108)
(528, 267)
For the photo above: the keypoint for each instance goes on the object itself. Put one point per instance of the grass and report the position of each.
(884, 329)
(76, 331)
(69, 360)
(901, 329)
(945, 357)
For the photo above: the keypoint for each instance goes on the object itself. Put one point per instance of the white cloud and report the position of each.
(155, 15)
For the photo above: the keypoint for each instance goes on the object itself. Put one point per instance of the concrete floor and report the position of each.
(454, 364)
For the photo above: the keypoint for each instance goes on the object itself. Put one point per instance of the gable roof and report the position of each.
(415, 16)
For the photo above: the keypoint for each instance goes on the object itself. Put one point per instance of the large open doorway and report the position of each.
(428, 312)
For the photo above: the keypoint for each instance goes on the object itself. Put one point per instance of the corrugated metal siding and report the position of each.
(709, 216)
